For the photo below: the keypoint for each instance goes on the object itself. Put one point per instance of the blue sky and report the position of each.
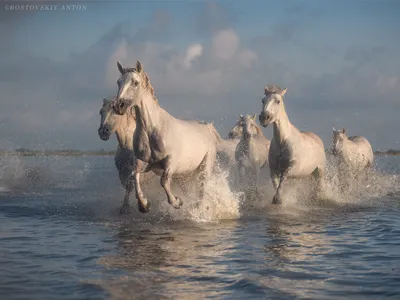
(338, 59)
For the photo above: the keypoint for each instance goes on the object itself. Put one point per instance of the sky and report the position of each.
(207, 60)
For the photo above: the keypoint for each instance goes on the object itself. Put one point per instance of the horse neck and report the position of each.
(347, 146)
(247, 137)
(282, 125)
(148, 113)
(125, 132)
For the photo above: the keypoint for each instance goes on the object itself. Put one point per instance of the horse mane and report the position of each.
(212, 128)
(146, 82)
(272, 89)
(215, 132)
(258, 128)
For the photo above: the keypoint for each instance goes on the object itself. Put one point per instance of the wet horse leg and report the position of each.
(140, 167)
(278, 198)
(319, 176)
(206, 172)
(166, 178)
(127, 181)
(257, 178)
(276, 184)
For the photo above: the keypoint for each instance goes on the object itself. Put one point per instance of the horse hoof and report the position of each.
(276, 200)
(180, 202)
(144, 209)
(177, 203)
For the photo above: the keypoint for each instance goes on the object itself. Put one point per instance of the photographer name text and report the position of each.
(41, 7)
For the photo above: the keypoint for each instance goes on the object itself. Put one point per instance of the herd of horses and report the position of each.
(153, 142)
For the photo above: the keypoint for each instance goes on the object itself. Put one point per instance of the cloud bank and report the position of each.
(48, 104)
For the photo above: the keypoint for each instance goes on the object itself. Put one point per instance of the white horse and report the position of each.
(227, 147)
(123, 127)
(293, 153)
(162, 143)
(252, 151)
(354, 154)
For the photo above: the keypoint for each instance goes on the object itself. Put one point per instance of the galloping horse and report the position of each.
(354, 154)
(292, 153)
(252, 151)
(162, 143)
(123, 127)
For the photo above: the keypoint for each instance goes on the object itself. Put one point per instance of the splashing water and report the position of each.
(16, 175)
(300, 193)
(219, 201)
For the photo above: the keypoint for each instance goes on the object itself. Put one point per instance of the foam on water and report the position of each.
(219, 201)
(299, 194)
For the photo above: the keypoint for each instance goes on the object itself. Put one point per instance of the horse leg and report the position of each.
(278, 198)
(242, 173)
(257, 180)
(140, 167)
(275, 183)
(343, 180)
(319, 176)
(127, 182)
(206, 173)
(166, 178)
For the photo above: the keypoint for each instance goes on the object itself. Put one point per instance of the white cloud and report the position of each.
(198, 69)
(225, 44)
(192, 53)
(247, 57)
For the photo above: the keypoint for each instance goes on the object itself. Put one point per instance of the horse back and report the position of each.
(363, 145)
(313, 137)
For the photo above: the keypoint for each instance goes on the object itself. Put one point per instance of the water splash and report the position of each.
(219, 201)
(301, 193)
(15, 174)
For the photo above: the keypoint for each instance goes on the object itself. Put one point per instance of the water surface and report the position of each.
(61, 237)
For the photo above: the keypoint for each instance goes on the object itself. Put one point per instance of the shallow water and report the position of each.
(61, 237)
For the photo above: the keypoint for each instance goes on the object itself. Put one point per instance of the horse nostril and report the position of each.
(121, 104)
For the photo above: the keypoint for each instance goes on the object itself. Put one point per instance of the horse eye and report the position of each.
(136, 83)
(278, 101)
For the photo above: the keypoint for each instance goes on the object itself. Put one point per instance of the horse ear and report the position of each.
(283, 92)
(255, 117)
(106, 101)
(241, 116)
(343, 130)
(121, 69)
(139, 66)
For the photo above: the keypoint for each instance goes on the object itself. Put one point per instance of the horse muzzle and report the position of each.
(264, 120)
(120, 106)
(104, 133)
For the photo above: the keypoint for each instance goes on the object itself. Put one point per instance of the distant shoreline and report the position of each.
(56, 153)
(27, 152)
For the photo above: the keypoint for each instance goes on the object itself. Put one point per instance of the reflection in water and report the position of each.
(172, 257)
